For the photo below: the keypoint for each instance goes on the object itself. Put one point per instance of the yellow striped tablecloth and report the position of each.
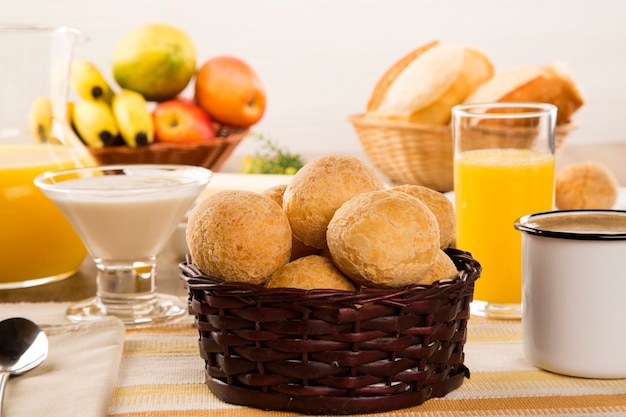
(162, 375)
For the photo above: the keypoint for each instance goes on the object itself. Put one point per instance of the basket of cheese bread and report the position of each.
(331, 294)
(405, 129)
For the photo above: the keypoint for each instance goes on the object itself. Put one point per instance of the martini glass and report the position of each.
(125, 215)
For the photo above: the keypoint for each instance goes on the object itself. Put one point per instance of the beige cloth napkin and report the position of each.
(79, 374)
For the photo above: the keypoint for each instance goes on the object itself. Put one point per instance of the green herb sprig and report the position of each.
(271, 158)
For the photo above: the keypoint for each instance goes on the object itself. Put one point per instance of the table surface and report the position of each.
(503, 382)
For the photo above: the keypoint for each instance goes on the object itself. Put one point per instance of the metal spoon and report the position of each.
(23, 346)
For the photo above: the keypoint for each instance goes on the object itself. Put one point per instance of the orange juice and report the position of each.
(37, 244)
(492, 189)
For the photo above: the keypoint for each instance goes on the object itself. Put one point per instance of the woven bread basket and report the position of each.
(210, 155)
(421, 154)
(332, 352)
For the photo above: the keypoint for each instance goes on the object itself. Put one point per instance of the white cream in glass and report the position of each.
(125, 215)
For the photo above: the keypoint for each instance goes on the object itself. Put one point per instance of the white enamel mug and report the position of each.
(574, 291)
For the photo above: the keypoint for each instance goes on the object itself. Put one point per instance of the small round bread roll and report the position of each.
(240, 236)
(442, 208)
(276, 193)
(585, 185)
(443, 268)
(309, 273)
(383, 239)
(298, 249)
(321, 187)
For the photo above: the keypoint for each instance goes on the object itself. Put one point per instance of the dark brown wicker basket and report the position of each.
(210, 155)
(332, 352)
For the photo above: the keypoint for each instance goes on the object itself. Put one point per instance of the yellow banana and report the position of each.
(70, 117)
(70, 112)
(88, 82)
(40, 119)
(133, 118)
(94, 123)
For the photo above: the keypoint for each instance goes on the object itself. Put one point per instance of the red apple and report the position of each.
(230, 91)
(181, 121)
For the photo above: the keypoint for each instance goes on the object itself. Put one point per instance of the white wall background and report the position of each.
(320, 59)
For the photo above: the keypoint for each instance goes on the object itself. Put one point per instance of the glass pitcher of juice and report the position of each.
(37, 244)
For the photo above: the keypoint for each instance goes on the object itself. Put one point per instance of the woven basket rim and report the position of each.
(369, 120)
(196, 280)
(233, 138)
(211, 155)
(374, 121)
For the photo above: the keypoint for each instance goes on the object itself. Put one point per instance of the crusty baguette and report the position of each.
(550, 84)
(424, 85)
(392, 73)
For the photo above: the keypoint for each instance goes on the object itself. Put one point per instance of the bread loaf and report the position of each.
(424, 85)
(550, 84)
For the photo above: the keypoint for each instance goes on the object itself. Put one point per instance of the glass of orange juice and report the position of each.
(37, 244)
(503, 169)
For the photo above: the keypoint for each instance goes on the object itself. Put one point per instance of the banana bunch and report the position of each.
(133, 119)
(102, 117)
(94, 122)
(87, 81)
(40, 119)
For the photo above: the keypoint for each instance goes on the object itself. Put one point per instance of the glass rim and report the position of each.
(46, 180)
(478, 110)
(6, 27)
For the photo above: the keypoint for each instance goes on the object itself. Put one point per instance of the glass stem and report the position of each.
(124, 286)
